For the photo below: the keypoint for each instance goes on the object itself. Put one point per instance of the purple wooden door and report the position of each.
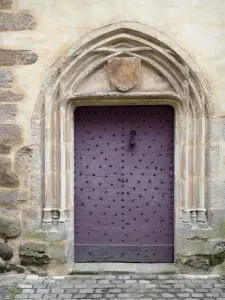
(124, 193)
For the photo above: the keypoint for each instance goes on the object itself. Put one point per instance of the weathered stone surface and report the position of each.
(8, 211)
(4, 149)
(217, 220)
(124, 72)
(151, 81)
(219, 248)
(9, 226)
(7, 179)
(5, 163)
(216, 193)
(32, 220)
(198, 262)
(6, 78)
(8, 96)
(10, 267)
(36, 158)
(6, 252)
(23, 159)
(10, 134)
(17, 57)
(36, 133)
(5, 4)
(33, 254)
(202, 262)
(10, 21)
(91, 85)
(57, 251)
(217, 129)
(12, 197)
(36, 183)
(213, 160)
(7, 112)
(189, 247)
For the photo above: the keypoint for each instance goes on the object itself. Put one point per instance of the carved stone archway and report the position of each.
(73, 81)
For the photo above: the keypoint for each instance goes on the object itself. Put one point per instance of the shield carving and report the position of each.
(124, 72)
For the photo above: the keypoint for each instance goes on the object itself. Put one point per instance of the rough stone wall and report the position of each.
(14, 188)
(35, 33)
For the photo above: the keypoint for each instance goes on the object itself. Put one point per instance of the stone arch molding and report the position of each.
(69, 83)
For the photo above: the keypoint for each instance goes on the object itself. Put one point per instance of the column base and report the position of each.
(47, 215)
(193, 224)
(52, 217)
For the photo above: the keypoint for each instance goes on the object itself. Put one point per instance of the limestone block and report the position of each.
(11, 268)
(152, 81)
(33, 254)
(23, 159)
(8, 96)
(7, 178)
(219, 248)
(9, 226)
(16, 41)
(32, 219)
(44, 234)
(6, 252)
(8, 211)
(5, 163)
(10, 134)
(90, 84)
(10, 21)
(57, 251)
(217, 221)
(12, 197)
(196, 262)
(213, 160)
(5, 4)
(217, 129)
(209, 253)
(35, 234)
(36, 132)
(4, 149)
(189, 247)
(7, 112)
(6, 78)
(216, 193)
(17, 57)
(36, 183)
(37, 158)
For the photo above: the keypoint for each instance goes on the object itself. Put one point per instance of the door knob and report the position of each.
(132, 135)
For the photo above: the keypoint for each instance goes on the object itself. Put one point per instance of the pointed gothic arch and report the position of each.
(188, 93)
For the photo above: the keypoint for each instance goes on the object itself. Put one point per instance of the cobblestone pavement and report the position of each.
(113, 287)
(9, 285)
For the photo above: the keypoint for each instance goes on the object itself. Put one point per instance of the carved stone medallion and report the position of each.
(124, 72)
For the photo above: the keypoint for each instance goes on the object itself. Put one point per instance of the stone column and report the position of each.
(63, 160)
(47, 210)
